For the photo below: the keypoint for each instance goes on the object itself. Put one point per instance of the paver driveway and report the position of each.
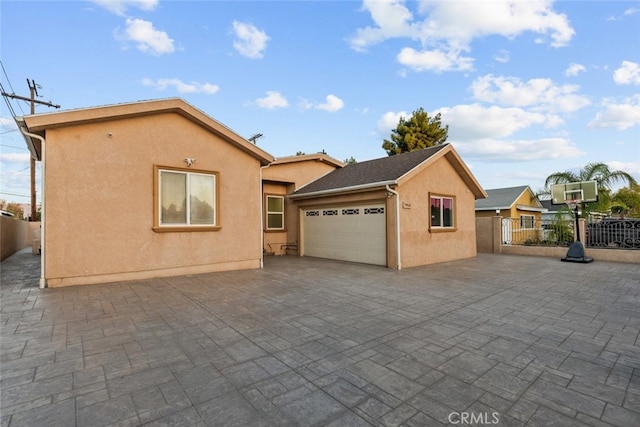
(513, 340)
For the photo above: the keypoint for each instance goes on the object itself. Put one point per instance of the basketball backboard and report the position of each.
(583, 191)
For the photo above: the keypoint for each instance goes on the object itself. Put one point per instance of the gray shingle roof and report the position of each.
(500, 198)
(380, 170)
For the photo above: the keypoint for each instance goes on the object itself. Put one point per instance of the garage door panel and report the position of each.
(352, 233)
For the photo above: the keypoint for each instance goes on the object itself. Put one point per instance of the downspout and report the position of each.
(262, 218)
(43, 280)
(399, 262)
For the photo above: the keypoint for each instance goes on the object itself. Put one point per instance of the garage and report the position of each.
(349, 233)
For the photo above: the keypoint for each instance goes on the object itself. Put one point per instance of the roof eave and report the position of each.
(344, 190)
(531, 208)
(34, 146)
(492, 208)
(41, 122)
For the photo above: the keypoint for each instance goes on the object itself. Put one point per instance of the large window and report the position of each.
(185, 199)
(441, 212)
(275, 212)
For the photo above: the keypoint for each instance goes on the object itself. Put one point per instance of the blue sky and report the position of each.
(527, 87)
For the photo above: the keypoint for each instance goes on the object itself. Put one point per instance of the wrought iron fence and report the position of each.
(531, 231)
(614, 233)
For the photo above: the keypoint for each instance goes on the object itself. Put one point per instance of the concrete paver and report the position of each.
(527, 341)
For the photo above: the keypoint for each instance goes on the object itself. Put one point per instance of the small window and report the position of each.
(275, 213)
(185, 200)
(527, 222)
(441, 212)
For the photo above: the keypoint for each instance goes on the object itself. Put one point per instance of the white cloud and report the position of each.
(15, 158)
(434, 60)
(147, 38)
(250, 41)
(182, 87)
(390, 120)
(539, 94)
(273, 100)
(628, 167)
(496, 150)
(446, 28)
(332, 104)
(119, 7)
(619, 116)
(631, 11)
(628, 73)
(502, 56)
(574, 69)
(9, 123)
(473, 122)
(392, 20)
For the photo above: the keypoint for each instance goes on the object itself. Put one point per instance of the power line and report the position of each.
(13, 194)
(33, 88)
(11, 146)
(9, 106)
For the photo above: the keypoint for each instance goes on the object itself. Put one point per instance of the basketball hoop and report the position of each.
(572, 203)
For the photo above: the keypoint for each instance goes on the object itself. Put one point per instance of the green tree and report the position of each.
(626, 201)
(416, 132)
(599, 172)
(350, 161)
(12, 207)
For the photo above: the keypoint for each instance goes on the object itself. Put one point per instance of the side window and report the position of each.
(275, 213)
(527, 221)
(442, 212)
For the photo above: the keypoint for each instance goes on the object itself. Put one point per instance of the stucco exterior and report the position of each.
(445, 175)
(422, 245)
(99, 187)
(283, 177)
(525, 204)
(520, 209)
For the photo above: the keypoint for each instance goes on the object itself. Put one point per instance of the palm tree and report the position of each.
(599, 172)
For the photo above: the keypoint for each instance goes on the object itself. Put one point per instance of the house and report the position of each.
(158, 188)
(520, 208)
(555, 212)
(405, 210)
(282, 177)
(144, 189)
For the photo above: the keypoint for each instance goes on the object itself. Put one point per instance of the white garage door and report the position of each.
(351, 233)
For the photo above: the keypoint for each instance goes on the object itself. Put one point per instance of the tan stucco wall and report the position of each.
(284, 179)
(298, 173)
(420, 246)
(274, 241)
(15, 234)
(99, 201)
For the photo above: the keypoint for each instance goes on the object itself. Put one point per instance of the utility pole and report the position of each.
(33, 88)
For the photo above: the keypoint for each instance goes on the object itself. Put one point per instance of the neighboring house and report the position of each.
(520, 208)
(158, 188)
(405, 210)
(144, 189)
(281, 178)
(555, 212)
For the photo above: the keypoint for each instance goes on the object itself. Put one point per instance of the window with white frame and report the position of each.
(275, 212)
(527, 221)
(441, 212)
(185, 198)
